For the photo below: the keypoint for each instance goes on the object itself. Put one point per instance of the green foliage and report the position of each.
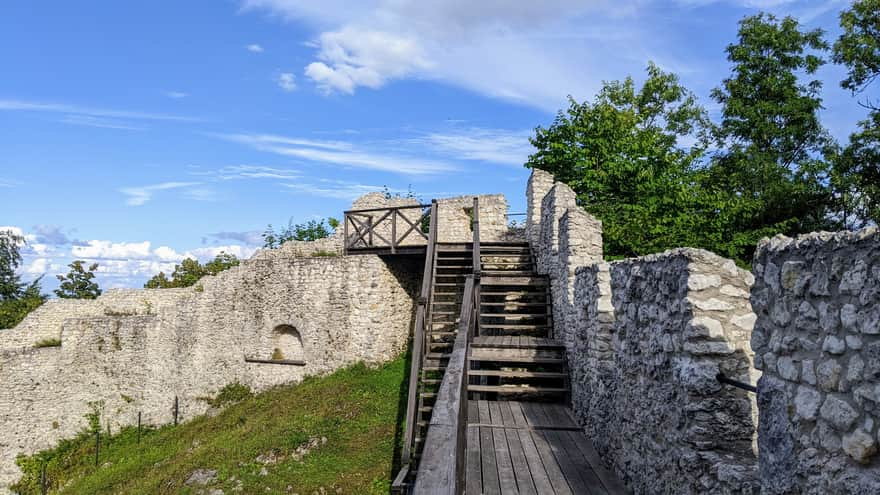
(79, 282)
(857, 169)
(10, 259)
(771, 176)
(858, 47)
(357, 409)
(190, 271)
(17, 299)
(324, 254)
(309, 231)
(277, 355)
(621, 154)
(230, 394)
(48, 343)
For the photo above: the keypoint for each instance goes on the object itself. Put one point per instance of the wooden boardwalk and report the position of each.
(531, 448)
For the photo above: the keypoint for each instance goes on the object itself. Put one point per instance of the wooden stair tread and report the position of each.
(518, 374)
(516, 389)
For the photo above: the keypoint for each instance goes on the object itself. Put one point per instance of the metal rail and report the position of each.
(721, 377)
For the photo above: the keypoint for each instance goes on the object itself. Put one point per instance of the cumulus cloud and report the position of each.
(255, 48)
(286, 81)
(50, 234)
(113, 250)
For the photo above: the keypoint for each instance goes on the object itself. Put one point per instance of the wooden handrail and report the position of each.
(366, 225)
(419, 335)
(442, 468)
(477, 262)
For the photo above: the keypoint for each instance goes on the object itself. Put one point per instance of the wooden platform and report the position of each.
(531, 448)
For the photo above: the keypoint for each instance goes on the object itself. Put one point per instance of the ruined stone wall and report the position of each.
(456, 215)
(135, 350)
(817, 341)
(680, 317)
(538, 186)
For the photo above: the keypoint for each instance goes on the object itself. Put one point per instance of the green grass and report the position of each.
(359, 410)
(48, 343)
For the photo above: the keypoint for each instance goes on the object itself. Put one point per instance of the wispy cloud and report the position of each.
(238, 172)
(255, 48)
(90, 121)
(249, 237)
(335, 190)
(8, 183)
(139, 195)
(286, 81)
(341, 154)
(488, 145)
(33, 106)
(176, 94)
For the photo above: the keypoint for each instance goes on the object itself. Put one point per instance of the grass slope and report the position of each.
(253, 445)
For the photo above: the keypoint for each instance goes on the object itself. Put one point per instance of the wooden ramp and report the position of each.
(531, 448)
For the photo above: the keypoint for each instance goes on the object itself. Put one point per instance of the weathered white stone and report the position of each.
(704, 326)
(854, 342)
(745, 322)
(838, 412)
(849, 317)
(807, 402)
(711, 304)
(860, 445)
(701, 281)
(828, 374)
(788, 368)
(833, 345)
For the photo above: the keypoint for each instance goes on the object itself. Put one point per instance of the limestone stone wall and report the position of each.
(539, 184)
(456, 214)
(135, 350)
(817, 341)
(669, 426)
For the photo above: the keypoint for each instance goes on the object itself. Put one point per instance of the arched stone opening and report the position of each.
(286, 344)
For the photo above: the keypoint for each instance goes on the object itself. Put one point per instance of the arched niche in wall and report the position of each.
(287, 344)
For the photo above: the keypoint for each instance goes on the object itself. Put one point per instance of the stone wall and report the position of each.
(645, 339)
(456, 215)
(135, 350)
(817, 340)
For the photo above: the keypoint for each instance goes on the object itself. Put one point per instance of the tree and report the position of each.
(623, 155)
(17, 299)
(79, 282)
(190, 271)
(771, 170)
(858, 47)
(857, 168)
(309, 231)
(10, 260)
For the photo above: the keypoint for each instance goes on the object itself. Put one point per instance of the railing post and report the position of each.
(477, 263)
(345, 221)
(370, 229)
(393, 231)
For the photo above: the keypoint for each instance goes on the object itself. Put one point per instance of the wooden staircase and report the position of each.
(513, 357)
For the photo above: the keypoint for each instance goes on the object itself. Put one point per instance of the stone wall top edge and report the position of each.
(691, 254)
(833, 240)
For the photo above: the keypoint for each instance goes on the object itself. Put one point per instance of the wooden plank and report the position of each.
(569, 469)
(581, 465)
(520, 466)
(551, 465)
(506, 476)
(487, 461)
(536, 466)
(506, 415)
(534, 414)
(518, 418)
(483, 407)
(473, 412)
(474, 479)
(557, 415)
(611, 483)
(495, 414)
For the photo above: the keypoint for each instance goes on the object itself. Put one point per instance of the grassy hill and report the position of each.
(334, 434)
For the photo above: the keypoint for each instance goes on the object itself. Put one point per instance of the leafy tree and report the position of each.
(857, 169)
(771, 172)
(17, 299)
(623, 155)
(79, 282)
(10, 260)
(308, 231)
(190, 271)
(858, 47)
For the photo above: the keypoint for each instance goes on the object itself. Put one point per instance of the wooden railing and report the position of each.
(442, 467)
(387, 228)
(418, 345)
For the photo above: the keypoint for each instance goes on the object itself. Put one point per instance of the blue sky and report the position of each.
(137, 133)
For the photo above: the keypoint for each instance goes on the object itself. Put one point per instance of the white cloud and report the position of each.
(335, 190)
(343, 155)
(98, 249)
(38, 266)
(176, 94)
(255, 48)
(286, 81)
(208, 253)
(31, 106)
(239, 172)
(165, 253)
(139, 195)
(90, 121)
(8, 183)
(489, 145)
